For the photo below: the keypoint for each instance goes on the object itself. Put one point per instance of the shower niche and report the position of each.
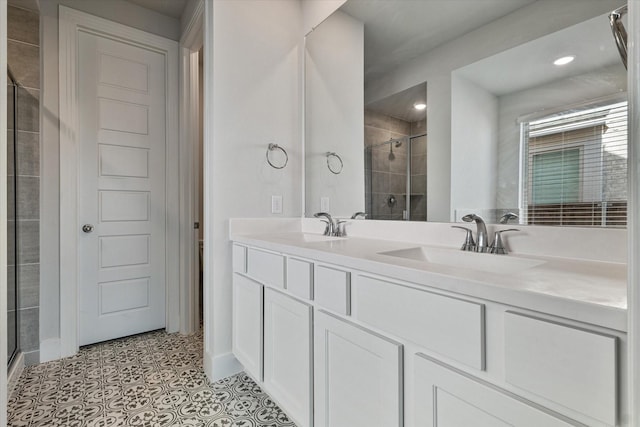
(396, 156)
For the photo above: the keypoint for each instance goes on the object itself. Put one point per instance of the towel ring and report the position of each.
(273, 147)
(334, 169)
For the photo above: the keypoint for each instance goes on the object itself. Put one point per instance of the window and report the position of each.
(575, 168)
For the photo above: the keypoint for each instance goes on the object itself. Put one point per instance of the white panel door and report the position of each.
(287, 354)
(122, 140)
(357, 376)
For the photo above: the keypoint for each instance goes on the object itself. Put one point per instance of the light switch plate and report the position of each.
(276, 204)
(324, 204)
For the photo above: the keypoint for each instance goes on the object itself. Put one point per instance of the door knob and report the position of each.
(87, 228)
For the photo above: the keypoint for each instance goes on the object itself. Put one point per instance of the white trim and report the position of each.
(633, 284)
(3, 213)
(207, 191)
(190, 43)
(70, 23)
(223, 366)
(50, 350)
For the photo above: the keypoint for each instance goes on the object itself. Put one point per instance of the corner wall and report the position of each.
(253, 83)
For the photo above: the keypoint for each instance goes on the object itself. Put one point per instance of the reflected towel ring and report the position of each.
(273, 147)
(334, 169)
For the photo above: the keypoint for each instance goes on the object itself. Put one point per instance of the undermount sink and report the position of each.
(490, 263)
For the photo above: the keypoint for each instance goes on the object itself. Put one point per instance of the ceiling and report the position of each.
(396, 31)
(172, 8)
(400, 105)
(590, 42)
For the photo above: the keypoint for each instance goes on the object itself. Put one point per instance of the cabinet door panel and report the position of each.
(247, 324)
(447, 397)
(287, 354)
(570, 366)
(358, 376)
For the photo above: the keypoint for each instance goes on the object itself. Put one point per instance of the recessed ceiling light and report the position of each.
(420, 106)
(564, 60)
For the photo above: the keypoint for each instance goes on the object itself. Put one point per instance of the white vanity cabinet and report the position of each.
(288, 354)
(357, 374)
(341, 346)
(446, 397)
(247, 324)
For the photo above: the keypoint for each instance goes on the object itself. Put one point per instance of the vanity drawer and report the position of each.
(448, 326)
(239, 255)
(300, 278)
(332, 289)
(266, 267)
(572, 367)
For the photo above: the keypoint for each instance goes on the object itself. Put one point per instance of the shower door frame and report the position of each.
(11, 80)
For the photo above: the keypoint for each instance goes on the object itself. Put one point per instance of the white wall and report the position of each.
(316, 11)
(115, 10)
(435, 67)
(474, 146)
(256, 86)
(334, 111)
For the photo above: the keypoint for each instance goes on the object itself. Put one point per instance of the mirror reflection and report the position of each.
(504, 131)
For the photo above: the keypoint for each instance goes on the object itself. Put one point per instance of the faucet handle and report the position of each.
(469, 244)
(341, 228)
(497, 247)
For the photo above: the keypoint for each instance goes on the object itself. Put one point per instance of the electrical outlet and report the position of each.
(276, 204)
(324, 204)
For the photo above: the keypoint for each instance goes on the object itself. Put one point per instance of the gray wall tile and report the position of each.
(29, 329)
(23, 25)
(419, 164)
(28, 110)
(24, 60)
(28, 242)
(28, 197)
(29, 280)
(28, 153)
(380, 182)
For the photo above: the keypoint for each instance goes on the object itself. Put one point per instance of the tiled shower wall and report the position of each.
(386, 167)
(23, 33)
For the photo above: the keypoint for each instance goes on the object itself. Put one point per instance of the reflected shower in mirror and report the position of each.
(396, 156)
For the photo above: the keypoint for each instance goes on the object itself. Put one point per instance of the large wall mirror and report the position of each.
(429, 110)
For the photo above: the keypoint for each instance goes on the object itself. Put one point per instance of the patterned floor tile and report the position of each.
(148, 380)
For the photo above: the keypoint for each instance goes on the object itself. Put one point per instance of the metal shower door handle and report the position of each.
(87, 228)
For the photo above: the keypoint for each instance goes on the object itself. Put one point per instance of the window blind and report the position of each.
(575, 168)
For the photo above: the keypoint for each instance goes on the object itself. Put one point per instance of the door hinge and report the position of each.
(196, 225)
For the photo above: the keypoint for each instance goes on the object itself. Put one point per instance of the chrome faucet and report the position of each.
(359, 214)
(481, 232)
(504, 219)
(331, 228)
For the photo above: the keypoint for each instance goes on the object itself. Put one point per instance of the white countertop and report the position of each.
(587, 291)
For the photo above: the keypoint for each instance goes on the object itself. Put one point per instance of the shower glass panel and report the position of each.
(396, 179)
(12, 291)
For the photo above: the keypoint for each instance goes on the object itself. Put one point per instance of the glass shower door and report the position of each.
(12, 293)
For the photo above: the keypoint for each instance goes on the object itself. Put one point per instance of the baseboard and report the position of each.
(221, 366)
(49, 350)
(14, 373)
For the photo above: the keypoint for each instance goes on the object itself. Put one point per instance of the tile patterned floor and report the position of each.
(149, 380)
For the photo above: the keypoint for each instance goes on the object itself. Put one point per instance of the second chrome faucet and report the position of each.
(481, 244)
